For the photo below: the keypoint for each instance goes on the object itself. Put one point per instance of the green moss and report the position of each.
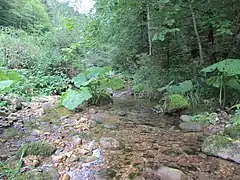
(54, 114)
(176, 102)
(215, 143)
(23, 176)
(37, 149)
(233, 131)
(108, 173)
(206, 118)
(11, 133)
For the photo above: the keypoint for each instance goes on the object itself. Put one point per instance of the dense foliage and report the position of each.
(164, 47)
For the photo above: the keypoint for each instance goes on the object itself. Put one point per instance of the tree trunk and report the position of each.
(149, 32)
(196, 33)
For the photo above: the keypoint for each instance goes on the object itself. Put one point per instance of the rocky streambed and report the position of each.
(126, 140)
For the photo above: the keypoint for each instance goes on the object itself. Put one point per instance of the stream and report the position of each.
(126, 140)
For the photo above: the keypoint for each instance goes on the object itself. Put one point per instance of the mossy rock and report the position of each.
(176, 102)
(223, 147)
(37, 149)
(54, 114)
(233, 132)
(39, 174)
(108, 173)
(216, 142)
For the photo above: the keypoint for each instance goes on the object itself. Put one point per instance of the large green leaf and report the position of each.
(181, 88)
(3, 76)
(73, 99)
(230, 67)
(233, 83)
(5, 84)
(13, 75)
(81, 80)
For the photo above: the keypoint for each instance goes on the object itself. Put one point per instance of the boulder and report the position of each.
(223, 147)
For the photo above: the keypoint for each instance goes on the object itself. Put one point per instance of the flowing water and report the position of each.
(121, 141)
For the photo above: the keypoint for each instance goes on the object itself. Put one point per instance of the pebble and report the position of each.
(35, 163)
(65, 177)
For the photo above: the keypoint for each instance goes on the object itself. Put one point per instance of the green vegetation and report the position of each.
(52, 115)
(206, 118)
(216, 143)
(176, 102)
(37, 149)
(92, 86)
(11, 171)
(153, 44)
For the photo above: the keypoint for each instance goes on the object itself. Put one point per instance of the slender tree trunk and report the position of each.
(196, 33)
(149, 31)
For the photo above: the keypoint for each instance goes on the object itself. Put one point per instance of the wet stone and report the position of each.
(185, 118)
(190, 127)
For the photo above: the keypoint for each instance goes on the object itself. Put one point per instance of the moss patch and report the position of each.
(214, 144)
(108, 173)
(11, 133)
(37, 149)
(54, 114)
(233, 131)
(176, 102)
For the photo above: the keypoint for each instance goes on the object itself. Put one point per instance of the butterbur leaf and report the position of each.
(73, 99)
(230, 67)
(81, 80)
(233, 83)
(13, 75)
(3, 76)
(5, 84)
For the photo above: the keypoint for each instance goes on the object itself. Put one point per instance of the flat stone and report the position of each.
(190, 127)
(185, 118)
